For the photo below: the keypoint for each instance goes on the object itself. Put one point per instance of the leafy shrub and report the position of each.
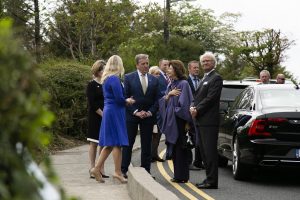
(23, 117)
(66, 82)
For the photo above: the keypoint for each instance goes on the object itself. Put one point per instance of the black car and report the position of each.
(261, 128)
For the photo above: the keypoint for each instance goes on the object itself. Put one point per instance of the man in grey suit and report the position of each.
(205, 112)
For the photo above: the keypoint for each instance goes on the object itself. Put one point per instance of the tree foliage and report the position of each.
(193, 31)
(263, 49)
(211, 33)
(90, 28)
(26, 20)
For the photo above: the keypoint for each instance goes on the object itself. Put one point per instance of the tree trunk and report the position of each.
(93, 40)
(37, 36)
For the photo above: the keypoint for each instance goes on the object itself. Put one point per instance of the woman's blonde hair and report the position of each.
(114, 66)
(97, 66)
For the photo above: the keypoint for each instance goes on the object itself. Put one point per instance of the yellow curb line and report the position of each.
(176, 185)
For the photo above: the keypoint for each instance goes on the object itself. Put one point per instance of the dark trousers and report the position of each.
(146, 138)
(198, 158)
(155, 142)
(180, 154)
(208, 148)
(197, 161)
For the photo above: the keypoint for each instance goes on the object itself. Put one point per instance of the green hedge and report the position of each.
(66, 82)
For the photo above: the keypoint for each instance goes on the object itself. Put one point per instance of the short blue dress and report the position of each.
(113, 130)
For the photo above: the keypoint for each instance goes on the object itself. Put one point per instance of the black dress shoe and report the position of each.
(157, 159)
(104, 176)
(193, 167)
(201, 166)
(168, 157)
(125, 175)
(178, 181)
(206, 186)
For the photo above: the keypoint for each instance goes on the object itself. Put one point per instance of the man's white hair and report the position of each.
(211, 55)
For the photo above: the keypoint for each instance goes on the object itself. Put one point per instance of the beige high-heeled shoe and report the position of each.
(91, 175)
(121, 179)
(97, 175)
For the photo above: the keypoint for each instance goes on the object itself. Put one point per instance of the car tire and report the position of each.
(223, 162)
(240, 171)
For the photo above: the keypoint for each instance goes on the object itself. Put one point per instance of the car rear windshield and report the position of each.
(229, 92)
(280, 98)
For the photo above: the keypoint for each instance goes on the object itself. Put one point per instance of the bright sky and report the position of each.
(259, 14)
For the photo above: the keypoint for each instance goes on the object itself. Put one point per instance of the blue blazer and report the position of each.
(162, 84)
(147, 101)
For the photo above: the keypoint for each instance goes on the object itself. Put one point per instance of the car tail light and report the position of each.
(276, 120)
(259, 127)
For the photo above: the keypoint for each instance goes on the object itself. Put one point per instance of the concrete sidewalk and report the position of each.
(72, 167)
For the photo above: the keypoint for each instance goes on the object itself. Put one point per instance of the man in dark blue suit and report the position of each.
(144, 88)
(163, 80)
(194, 81)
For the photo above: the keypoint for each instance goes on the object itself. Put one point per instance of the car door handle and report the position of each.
(235, 116)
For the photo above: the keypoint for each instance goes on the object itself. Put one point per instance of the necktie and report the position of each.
(167, 78)
(195, 82)
(144, 84)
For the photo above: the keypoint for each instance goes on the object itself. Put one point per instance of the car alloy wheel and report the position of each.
(240, 171)
(235, 157)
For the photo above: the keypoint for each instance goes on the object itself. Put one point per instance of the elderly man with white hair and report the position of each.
(205, 111)
(265, 76)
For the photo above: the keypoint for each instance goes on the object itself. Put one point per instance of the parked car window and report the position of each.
(237, 102)
(229, 92)
(247, 99)
(244, 99)
(274, 98)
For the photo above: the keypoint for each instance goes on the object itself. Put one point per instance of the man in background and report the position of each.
(194, 81)
(163, 81)
(265, 76)
(280, 79)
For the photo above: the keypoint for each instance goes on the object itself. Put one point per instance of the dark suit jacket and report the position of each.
(147, 101)
(190, 81)
(163, 83)
(207, 100)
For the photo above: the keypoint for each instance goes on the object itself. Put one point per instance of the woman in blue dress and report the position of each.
(113, 134)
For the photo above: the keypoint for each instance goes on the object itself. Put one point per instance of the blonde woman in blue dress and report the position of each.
(113, 132)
